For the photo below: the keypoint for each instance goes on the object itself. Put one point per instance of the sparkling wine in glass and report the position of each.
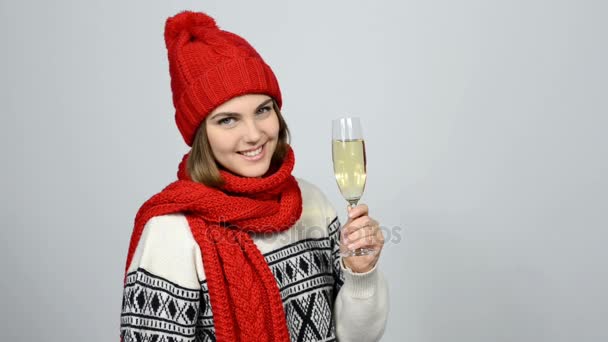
(348, 154)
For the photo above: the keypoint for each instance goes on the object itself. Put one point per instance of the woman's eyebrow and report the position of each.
(263, 104)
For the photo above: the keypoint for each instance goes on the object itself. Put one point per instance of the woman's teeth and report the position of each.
(253, 153)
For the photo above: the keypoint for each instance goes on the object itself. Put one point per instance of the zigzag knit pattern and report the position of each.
(243, 291)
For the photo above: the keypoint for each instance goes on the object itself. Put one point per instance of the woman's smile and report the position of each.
(254, 154)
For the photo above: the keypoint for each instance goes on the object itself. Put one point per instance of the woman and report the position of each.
(237, 249)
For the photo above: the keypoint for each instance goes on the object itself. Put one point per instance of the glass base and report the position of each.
(357, 252)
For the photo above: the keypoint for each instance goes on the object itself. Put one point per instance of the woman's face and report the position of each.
(243, 134)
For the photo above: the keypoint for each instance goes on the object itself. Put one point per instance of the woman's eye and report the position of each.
(264, 109)
(225, 121)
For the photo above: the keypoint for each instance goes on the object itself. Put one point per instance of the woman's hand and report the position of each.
(361, 231)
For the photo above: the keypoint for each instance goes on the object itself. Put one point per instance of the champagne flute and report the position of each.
(348, 155)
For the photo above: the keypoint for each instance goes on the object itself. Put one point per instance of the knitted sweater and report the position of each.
(166, 297)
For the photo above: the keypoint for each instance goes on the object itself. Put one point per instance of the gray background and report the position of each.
(485, 124)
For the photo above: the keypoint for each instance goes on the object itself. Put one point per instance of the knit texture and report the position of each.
(208, 67)
(243, 291)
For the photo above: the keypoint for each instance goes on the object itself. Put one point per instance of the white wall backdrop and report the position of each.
(486, 132)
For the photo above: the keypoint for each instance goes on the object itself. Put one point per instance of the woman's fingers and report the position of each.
(358, 211)
(373, 239)
(358, 224)
(362, 236)
(361, 231)
(364, 227)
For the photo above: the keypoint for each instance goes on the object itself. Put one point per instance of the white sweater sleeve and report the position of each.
(361, 307)
(162, 295)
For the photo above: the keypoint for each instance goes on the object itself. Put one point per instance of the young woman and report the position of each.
(237, 249)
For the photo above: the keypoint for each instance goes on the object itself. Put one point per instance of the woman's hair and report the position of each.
(202, 166)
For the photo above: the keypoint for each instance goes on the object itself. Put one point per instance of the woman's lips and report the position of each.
(255, 157)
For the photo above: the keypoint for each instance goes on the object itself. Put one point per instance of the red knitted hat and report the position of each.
(208, 67)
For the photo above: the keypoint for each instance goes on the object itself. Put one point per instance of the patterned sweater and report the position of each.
(166, 297)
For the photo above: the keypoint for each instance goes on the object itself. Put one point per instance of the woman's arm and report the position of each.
(163, 295)
(361, 305)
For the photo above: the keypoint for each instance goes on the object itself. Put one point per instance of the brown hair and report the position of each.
(202, 166)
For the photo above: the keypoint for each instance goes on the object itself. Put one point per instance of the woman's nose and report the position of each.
(253, 133)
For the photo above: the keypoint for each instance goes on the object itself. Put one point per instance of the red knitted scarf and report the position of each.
(244, 295)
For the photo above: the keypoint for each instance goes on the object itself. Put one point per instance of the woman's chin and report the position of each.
(257, 171)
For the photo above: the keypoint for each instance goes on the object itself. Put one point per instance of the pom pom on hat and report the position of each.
(208, 67)
(184, 23)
